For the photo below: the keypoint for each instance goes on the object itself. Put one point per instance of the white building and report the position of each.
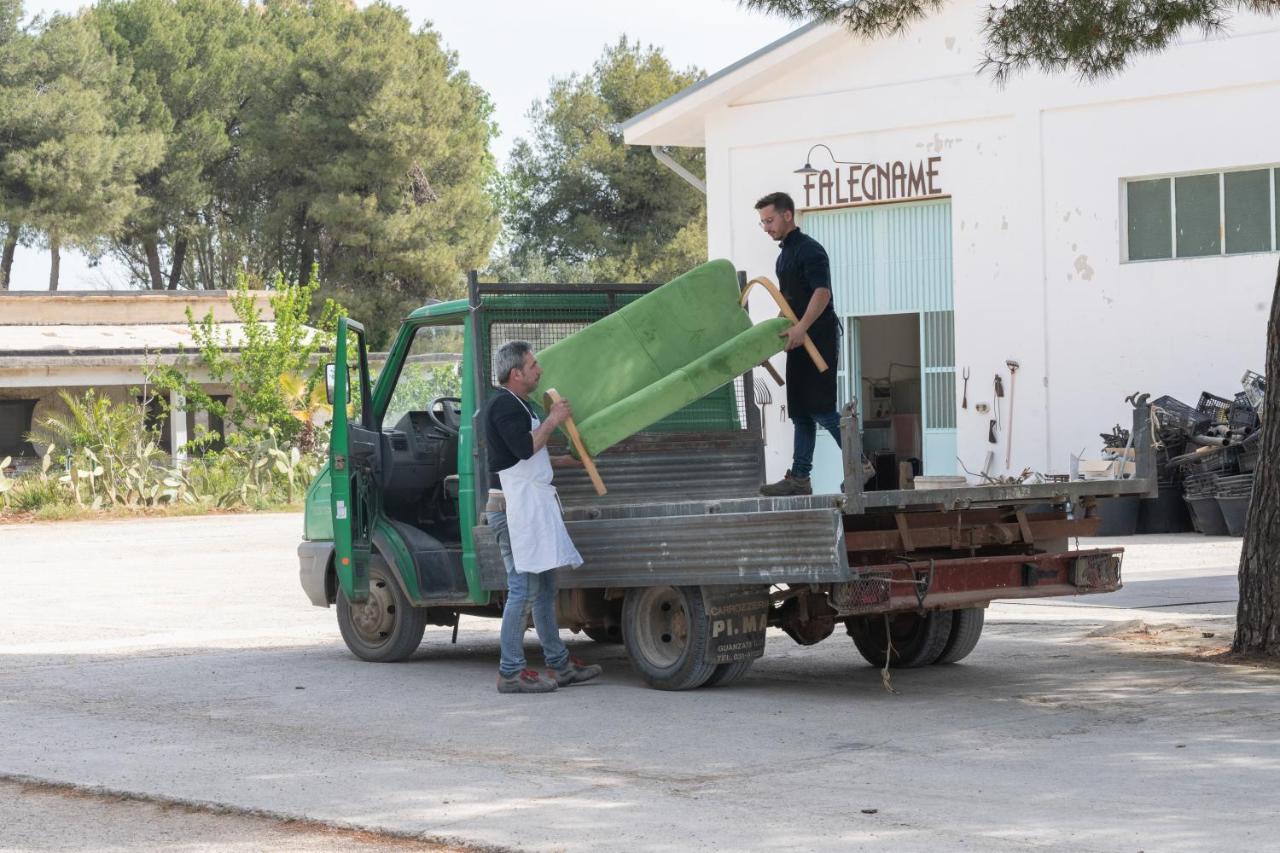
(1111, 237)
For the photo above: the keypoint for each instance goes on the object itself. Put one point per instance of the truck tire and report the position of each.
(385, 627)
(665, 632)
(918, 640)
(966, 628)
(609, 635)
(727, 673)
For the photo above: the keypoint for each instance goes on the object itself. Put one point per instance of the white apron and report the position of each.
(539, 540)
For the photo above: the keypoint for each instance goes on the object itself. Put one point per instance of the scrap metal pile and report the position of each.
(1209, 452)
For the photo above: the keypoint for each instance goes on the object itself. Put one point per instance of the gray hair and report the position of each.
(509, 357)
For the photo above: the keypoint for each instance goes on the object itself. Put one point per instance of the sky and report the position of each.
(513, 49)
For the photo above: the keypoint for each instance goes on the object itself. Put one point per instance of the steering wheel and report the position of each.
(449, 418)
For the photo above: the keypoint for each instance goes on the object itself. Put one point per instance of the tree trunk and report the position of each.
(179, 257)
(306, 248)
(1258, 613)
(55, 261)
(152, 249)
(6, 261)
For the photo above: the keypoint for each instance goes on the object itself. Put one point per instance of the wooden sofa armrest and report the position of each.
(809, 347)
(552, 396)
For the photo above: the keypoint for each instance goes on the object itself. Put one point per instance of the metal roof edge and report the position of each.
(715, 78)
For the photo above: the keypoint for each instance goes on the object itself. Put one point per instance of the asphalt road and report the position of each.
(179, 660)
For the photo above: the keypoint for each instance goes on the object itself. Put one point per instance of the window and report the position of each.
(430, 370)
(1214, 213)
(15, 423)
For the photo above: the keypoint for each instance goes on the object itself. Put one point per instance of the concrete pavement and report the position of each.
(179, 659)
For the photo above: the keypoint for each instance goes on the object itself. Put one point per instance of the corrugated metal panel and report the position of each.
(888, 259)
(689, 471)
(939, 339)
(801, 546)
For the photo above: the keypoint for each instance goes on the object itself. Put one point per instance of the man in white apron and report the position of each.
(524, 512)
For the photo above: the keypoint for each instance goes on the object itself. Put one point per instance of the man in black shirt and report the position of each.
(804, 277)
(524, 512)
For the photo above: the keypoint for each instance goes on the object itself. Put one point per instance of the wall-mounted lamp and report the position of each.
(807, 169)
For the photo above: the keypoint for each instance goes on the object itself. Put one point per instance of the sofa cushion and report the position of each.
(682, 386)
(656, 355)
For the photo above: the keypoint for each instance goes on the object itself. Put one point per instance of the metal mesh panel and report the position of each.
(545, 319)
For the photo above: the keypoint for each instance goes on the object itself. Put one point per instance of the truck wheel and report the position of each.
(727, 673)
(966, 628)
(385, 627)
(665, 632)
(917, 640)
(609, 635)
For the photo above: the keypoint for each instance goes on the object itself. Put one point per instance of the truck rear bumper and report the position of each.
(975, 581)
(313, 560)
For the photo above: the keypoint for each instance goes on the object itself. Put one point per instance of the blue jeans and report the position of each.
(526, 591)
(806, 438)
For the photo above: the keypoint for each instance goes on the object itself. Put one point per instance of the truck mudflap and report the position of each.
(738, 616)
(975, 581)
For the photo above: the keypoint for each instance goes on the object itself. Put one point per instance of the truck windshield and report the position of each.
(431, 369)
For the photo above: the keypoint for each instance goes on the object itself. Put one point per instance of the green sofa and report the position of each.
(657, 355)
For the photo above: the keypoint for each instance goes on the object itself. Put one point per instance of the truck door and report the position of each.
(355, 461)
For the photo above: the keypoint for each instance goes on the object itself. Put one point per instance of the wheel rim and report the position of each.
(662, 626)
(374, 619)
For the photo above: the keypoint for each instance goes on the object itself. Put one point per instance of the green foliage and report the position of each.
(108, 459)
(580, 204)
(193, 64)
(201, 141)
(73, 141)
(1093, 38)
(253, 359)
(368, 151)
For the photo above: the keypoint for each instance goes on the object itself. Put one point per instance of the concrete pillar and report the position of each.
(177, 426)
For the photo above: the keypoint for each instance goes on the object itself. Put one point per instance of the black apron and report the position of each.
(808, 391)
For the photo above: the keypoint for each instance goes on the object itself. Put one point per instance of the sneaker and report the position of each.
(787, 487)
(528, 681)
(576, 671)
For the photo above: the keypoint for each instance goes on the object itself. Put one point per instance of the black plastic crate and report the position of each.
(1217, 408)
(1242, 416)
(1174, 416)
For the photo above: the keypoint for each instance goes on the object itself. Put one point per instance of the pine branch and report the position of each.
(1093, 38)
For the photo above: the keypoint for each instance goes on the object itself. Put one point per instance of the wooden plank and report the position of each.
(552, 397)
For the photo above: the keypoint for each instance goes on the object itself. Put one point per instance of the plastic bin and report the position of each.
(1206, 515)
(1235, 513)
(1164, 514)
(1119, 516)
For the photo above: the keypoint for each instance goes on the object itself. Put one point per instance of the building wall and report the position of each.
(1034, 174)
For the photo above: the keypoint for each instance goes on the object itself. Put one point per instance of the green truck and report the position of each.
(684, 562)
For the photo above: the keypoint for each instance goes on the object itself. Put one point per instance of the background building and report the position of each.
(1109, 237)
(77, 340)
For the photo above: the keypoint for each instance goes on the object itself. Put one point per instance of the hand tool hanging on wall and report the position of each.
(1013, 375)
(964, 400)
(998, 390)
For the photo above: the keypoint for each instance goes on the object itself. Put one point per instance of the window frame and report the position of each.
(1272, 185)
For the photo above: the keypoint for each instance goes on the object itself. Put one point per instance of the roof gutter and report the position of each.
(667, 160)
